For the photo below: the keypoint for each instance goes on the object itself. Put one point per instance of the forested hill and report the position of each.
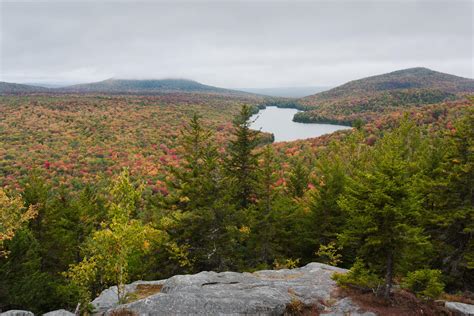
(150, 86)
(16, 88)
(412, 78)
(365, 98)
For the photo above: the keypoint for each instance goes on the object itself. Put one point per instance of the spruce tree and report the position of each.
(383, 209)
(327, 216)
(298, 178)
(242, 161)
(263, 226)
(448, 187)
(196, 180)
(198, 205)
(276, 218)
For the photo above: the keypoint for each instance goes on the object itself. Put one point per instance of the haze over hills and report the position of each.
(16, 88)
(286, 92)
(403, 88)
(418, 85)
(147, 86)
(51, 84)
(125, 86)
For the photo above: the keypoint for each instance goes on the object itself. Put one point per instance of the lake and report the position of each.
(280, 123)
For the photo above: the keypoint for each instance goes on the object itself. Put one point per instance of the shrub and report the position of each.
(286, 264)
(358, 277)
(424, 283)
(328, 254)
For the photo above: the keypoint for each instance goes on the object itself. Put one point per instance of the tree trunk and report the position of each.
(388, 276)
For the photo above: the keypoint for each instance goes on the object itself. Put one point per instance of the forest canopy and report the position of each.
(212, 196)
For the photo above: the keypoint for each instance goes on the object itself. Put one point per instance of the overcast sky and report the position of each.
(232, 43)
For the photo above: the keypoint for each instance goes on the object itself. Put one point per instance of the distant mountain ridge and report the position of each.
(363, 98)
(125, 86)
(400, 86)
(145, 86)
(17, 88)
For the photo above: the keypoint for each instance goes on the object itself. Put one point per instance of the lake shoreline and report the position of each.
(304, 119)
(279, 122)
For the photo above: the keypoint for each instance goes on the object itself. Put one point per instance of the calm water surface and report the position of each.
(279, 122)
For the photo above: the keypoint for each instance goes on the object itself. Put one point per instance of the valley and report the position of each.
(205, 157)
(134, 180)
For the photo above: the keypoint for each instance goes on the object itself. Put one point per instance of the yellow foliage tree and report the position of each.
(13, 214)
(108, 252)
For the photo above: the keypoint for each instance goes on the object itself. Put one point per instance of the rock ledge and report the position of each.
(267, 292)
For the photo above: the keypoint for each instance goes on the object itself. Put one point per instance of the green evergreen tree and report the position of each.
(448, 187)
(383, 209)
(41, 252)
(324, 219)
(23, 282)
(327, 216)
(298, 179)
(242, 161)
(196, 180)
(198, 205)
(263, 225)
(276, 219)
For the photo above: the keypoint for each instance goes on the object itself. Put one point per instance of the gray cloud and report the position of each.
(230, 43)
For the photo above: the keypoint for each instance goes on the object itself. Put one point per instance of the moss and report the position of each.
(142, 291)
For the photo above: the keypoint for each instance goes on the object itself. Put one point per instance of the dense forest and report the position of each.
(102, 197)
